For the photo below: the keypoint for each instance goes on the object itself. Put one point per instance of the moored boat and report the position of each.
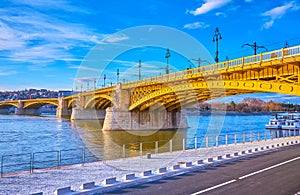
(292, 122)
(276, 122)
(284, 121)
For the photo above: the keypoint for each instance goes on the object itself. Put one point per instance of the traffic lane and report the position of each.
(281, 180)
(202, 179)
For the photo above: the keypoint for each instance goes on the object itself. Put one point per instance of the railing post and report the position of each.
(258, 136)
(217, 140)
(226, 139)
(289, 133)
(171, 145)
(156, 147)
(59, 158)
(141, 149)
(206, 141)
(2, 158)
(243, 137)
(260, 61)
(243, 62)
(183, 144)
(31, 162)
(234, 139)
(265, 136)
(83, 155)
(123, 151)
(195, 142)
(251, 137)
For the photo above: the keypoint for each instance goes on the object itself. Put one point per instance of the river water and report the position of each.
(24, 134)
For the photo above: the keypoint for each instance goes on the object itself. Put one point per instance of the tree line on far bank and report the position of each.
(249, 105)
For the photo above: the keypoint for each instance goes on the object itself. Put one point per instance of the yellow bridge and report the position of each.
(137, 104)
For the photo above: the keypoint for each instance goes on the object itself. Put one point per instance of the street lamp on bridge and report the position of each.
(216, 38)
(167, 57)
(118, 73)
(199, 60)
(254, 47)
(104, 78)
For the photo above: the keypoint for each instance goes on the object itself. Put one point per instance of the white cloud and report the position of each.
(196, 25)
(114, 38)
(50, 5)
(36, 37)
(278, 12)
(221, 14)
(268, 24)
(7, 73)
(208, 6)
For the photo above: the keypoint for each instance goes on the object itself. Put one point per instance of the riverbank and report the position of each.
(47, 181)
(222, 113)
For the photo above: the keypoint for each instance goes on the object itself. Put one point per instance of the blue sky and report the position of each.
(43, 43)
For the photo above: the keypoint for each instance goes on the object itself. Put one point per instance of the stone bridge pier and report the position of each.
(20, 110)
(62, 109)
(119, 117)
(81, 113)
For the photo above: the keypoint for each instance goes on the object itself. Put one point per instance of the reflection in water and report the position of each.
(117, 144)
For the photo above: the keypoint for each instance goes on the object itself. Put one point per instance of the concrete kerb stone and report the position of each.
(146, 173)
(110, 181)
(129, 177)
(63, 191)
(188, 164)
(219, 158)
(175, 167)
(199, 162)
(86, 186)
(162, 170)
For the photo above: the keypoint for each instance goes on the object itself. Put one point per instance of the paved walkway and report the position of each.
(47, 181)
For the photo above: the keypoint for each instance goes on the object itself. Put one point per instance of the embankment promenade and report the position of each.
(106, 175)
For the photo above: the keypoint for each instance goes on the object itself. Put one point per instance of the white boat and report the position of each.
(285, 121)
(277, 121)
(292, 122)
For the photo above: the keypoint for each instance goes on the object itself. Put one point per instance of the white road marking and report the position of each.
(214, 187)
(268, 168)
(245, 176)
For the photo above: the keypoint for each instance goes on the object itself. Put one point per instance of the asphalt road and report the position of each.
(276, 172)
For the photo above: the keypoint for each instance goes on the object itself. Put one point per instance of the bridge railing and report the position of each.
(235, 63)
(30, 162)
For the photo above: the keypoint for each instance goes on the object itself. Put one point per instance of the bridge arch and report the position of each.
(7, 105)
(185, 95)
(100, 101)
(38, 104)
